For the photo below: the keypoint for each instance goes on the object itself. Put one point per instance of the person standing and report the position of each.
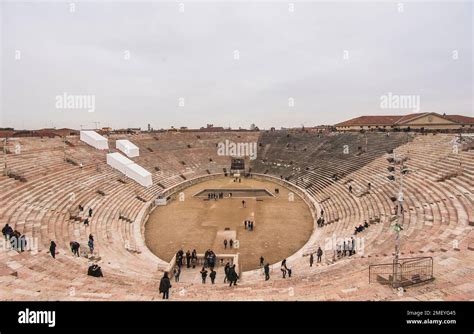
(261, 261)
(212, 275)
(283, 268)
(311, 259)
(203, 275)
(231, 243)
(90, 212)
(266, 269)
(226, 272)
(165, 286)
(52, 249)
(90, 243)
(188, 259)
(176, 273)
(225, 243)
(320, 254)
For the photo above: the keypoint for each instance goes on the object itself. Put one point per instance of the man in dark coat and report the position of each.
(165, 286)
(95, 271)
(203, 275)
(212, 275)
(188, 259)
(226, 272)
(311, 259)
(75, 247)
(233, 277)
(320, 254)
(266, 269)
(7, 231)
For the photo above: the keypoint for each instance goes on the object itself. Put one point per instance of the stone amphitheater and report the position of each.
(50, 177)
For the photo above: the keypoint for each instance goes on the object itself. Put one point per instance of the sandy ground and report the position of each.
(281, 226)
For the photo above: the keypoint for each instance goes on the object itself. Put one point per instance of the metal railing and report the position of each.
(405, 272)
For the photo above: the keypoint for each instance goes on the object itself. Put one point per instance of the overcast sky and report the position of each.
(423, 49)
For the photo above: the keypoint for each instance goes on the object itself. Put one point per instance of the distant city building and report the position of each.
(417, 121)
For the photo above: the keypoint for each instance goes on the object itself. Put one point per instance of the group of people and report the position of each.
(237, 179)
(191, 259)
(284, 269)
(321, 222)
(210, 259)
(215, 196)
(81, 208)
(231, 243)
(95, 271)
(361, 227)
(231, 275)
(347, 248)
(17, 240)
(319, 254)
(212, 275)
(248, 225)
(86, 220)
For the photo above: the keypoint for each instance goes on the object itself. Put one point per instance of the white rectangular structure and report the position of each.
(119, 161)
(94, 139)
(127, 147)
(130, 169)
(139, 174)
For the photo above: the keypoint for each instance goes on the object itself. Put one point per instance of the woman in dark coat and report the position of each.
(52, 249)
(165, 286)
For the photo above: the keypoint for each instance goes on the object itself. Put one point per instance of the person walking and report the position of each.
(90, 212)
(233, 277)
(165, 285)
(226, 272)
(261, 261)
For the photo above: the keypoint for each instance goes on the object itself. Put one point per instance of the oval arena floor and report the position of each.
(281, 226)
(41, 196)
